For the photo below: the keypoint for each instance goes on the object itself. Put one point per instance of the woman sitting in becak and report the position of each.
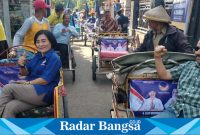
(42, 76)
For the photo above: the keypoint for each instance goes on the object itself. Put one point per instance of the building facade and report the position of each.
(13, 13)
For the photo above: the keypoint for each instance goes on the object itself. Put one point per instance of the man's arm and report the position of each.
(74, 32)
(51, 18)
(18, 38)
(39, 81)
(161, 70)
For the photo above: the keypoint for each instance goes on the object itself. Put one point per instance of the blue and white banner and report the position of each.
(99, 126)
(151, 97)
(114, 44)
(179, 10)
(9, 74)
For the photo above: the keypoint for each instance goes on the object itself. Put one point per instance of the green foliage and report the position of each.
(57, 1)
(91, 3)
(101, 1)
(80, 4)
(70, 3)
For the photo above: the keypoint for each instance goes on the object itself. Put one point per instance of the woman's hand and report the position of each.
(159, 51)
(22, 60)
(12, 54)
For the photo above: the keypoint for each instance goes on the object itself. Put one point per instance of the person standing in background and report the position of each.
(3, 42)
(155, 3)
(25, 35)
(122, 21)
(56, 16)
(117, 6)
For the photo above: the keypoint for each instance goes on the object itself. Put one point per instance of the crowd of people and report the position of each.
(41, 36)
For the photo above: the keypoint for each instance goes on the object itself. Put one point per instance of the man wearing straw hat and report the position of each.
(162, 33)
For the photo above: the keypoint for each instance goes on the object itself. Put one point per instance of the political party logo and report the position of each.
(163, 86)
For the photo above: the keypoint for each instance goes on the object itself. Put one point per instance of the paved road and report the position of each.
(87, 98)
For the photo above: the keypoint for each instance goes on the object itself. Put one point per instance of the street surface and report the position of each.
(87, 98)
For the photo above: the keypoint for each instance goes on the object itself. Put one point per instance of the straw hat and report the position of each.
(158, 14)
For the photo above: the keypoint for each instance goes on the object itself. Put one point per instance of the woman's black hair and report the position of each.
(49, 36)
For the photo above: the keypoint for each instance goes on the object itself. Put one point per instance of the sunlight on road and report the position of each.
(84, 51)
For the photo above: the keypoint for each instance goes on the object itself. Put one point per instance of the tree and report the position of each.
(80, 4)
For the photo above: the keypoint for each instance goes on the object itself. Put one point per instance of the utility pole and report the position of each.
(48, 10)
(6, 18)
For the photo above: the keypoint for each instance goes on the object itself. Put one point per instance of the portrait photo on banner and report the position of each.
(151, 97)
(109, 44)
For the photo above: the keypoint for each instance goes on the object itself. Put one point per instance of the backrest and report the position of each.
(114, 44)
(150, 97)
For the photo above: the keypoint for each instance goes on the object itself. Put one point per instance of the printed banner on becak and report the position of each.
(9, 75)
(114, 44)
(151, 97)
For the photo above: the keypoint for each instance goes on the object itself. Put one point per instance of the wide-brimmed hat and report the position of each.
(40, 4)
(158, 14)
